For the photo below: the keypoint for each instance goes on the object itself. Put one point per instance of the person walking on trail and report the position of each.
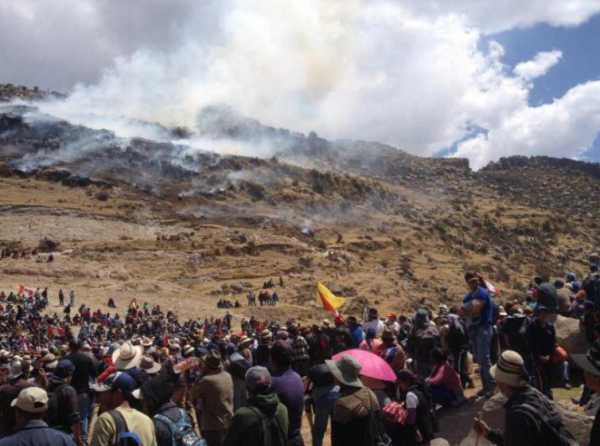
(115, 395)
(213, 396)
(590, 364)
(531, 418)
(31, 407)
(264, 421)
(478, 307)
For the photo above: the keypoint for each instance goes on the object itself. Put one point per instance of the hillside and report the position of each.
(172, 224)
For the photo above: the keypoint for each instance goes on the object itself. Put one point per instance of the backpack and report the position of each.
(515, 330)
(554, 431)
(378, 434)
(123, 437)
(276, 435)
(182, 431)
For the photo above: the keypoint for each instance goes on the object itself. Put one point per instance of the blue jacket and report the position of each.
(37, 433)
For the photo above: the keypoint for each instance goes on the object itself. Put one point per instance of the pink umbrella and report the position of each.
(372, 366)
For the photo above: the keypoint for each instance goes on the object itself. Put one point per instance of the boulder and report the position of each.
(492, 412)
(569, 335)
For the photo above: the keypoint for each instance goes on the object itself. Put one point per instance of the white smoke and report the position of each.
(407, 73)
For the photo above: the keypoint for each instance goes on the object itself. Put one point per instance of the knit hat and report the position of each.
(510, 369)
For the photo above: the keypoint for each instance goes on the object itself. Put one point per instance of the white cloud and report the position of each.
(538, 66)
(410, 73)
(563, 128)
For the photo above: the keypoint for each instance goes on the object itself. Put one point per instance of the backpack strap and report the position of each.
(265, 423)
(170, 424)
(120, 424)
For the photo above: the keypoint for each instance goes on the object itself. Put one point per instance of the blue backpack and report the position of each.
(182, 431)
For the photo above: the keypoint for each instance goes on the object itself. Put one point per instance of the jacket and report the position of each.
(247, 426)
(37, 433)
(63, 405)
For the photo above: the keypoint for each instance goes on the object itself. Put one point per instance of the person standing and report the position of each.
(531, 418)
(290, 389)
(478, 307)
(590, 364)
(541, 337)
(355, 408)
(31, 407)
(115, 395)
(213, 396)
(264, 421)
(63, 405)
(85, 370)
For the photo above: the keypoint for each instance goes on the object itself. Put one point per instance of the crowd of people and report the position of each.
(148, 378)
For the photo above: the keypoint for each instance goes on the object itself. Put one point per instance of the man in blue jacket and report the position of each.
(479, 309)
(31, 406)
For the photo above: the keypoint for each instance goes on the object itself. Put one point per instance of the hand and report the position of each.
(481, 427)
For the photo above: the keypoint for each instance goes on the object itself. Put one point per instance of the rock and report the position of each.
(569, 335)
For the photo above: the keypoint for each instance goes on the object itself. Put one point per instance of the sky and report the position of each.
(465, 78)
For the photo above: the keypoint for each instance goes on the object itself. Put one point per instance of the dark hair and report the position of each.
(407, 376)
(74, 344)
(281, 354)
(438, 356)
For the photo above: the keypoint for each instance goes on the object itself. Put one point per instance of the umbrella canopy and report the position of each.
(372, 366)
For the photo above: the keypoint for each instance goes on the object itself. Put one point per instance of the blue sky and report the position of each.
(580, 61)
(580, 47)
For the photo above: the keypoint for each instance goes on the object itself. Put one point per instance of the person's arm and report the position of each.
(438, 378)
(235, 434)
(412, 402)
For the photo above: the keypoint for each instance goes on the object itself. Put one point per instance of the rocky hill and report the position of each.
(167, 222)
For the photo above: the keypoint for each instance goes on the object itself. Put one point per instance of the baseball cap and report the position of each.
(31, 400)
(64, 368)
(117, 381)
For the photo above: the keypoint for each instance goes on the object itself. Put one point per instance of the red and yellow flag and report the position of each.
(329, 300)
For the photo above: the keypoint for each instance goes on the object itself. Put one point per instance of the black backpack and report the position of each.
(554, 431)
(515, 330)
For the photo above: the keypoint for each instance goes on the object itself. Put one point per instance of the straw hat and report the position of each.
(128, 356)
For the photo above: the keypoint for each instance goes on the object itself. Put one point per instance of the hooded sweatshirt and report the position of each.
(264, 422)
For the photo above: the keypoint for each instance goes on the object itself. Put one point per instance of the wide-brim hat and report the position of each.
(245, 341)
(590, 362)
(128, 356)
(346, 370)
(150, 366)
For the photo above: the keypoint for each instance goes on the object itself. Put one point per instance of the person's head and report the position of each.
(388, 338)
(590, 364)
(30, 404)
(406, 379)
(212, 362)
(352, 322)
(74, 345)
(373, 314)
(472, 281)
(281, 356)
(371, 334)
(64, 370)
(258, 381)
(510, 373)
(346, 371)
(439, 356)
(156, 391)
(114, 390)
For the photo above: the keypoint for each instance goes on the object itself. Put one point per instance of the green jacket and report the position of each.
(264, 422)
